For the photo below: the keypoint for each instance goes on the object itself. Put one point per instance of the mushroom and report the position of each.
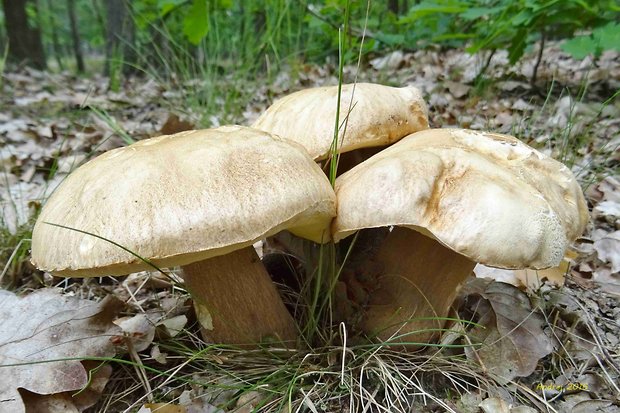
(454, 198)
(379, 116)
(199, 200)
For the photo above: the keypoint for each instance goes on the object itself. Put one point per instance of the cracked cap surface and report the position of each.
(487, 196)
(181, 198)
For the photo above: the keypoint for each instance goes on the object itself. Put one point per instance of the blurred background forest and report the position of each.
(207, 37)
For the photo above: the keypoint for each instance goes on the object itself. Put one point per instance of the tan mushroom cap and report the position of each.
(486, 196)
(381, 115)
(181, 198)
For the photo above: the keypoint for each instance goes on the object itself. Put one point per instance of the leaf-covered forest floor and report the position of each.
(52, 123)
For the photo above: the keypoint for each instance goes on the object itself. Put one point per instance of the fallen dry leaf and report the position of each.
(497, 405)
(46, 326)
(606, 190)
(608, 210)
(457, 89)
(174, 125)
(248, 402)
(139, 329)
(186, 404)
(608, 250)
(197, 403)
(70, 401)
(99, 377)
(162, 408)
(511, 339)
(171, 327)
(599, 406)
(49, 403)
(390, 62)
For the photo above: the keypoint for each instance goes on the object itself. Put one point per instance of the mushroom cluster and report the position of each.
(435, 203)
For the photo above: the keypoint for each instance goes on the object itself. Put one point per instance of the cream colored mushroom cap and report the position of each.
(181, 198)
(380, 115)
(487, 196)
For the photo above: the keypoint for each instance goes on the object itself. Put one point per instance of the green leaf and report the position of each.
(225, 4)
(522, 18)
(517, 46)
(477, 12)
(426, 8)
(580, 46)
(390, 39)
(608, 36)
(196, 22)
(453, 36)
(166, 6)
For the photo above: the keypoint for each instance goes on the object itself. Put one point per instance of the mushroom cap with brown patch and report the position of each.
(380, 115)
(487, 196)
(181, 198)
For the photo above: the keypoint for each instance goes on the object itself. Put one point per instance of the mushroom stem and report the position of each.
(236, 302)
(417, 280)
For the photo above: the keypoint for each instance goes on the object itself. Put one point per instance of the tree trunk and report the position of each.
(25, 44)
(404, 7)
(393, 7)
(75, 36)
(398, 7)
(538, 60)
(3, 42)
(52, 27)
(99, 17)
(120, 33)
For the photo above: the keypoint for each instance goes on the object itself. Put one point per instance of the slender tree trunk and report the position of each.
(75, 36)
(393, 6)
(242, 30)
(3, 41)
(99, 17)
(25, 43)
(538, 60)
(397, 7)
(120, 34)
(486, 65)
(54, 32)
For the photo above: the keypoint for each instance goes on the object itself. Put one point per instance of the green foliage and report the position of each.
(14, 253)
(115, 70)
(260, 35)
(512, 24)
(221, 30)
(196, 22)
(602, 38)
(431, 22)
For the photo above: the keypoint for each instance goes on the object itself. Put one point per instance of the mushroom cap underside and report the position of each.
(181, 198)
(487, 196)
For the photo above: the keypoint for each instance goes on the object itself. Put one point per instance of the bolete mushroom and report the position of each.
(199, 200)
(379, 116)
(454, 198)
